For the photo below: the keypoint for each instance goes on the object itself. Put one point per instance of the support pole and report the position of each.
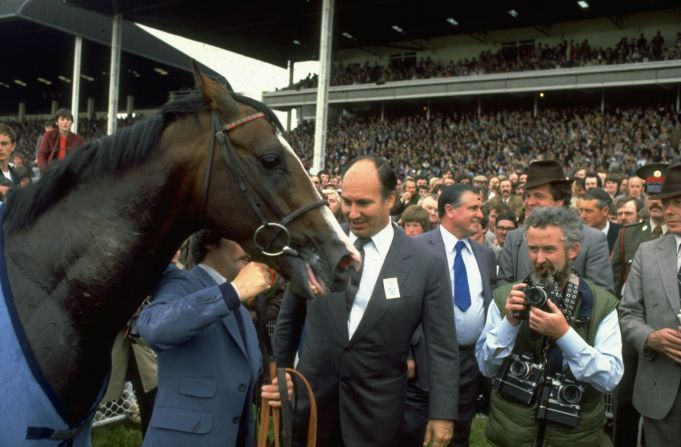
(289, 114)
(602, 102)
(323, 86)
(75, 83)
(536, 107)
(114, 72)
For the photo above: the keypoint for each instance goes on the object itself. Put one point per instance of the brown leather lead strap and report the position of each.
(266, 410)
(312, 423)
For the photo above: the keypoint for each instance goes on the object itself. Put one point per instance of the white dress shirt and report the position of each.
(469, 323)
(599, 365)
(606, 228)
(374, 255)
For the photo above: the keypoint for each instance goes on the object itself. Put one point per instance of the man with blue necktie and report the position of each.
(472, 274)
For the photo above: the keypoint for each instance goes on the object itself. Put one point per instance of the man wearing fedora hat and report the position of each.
(547, 185)
(650, 318)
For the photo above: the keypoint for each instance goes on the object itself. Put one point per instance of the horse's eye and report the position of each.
(270, 161)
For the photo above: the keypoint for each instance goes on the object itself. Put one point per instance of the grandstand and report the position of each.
(597, 93)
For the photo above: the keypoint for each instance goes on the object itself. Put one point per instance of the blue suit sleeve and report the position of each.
(181, 307)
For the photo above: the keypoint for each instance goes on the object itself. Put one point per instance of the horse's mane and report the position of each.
(126, 148)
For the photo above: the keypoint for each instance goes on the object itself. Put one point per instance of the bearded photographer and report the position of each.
(552, 345)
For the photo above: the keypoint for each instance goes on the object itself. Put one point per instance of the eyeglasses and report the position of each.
(505, 228)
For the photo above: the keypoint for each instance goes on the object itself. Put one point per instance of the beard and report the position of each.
(545, 274)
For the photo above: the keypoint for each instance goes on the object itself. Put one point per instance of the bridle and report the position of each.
(260, 238)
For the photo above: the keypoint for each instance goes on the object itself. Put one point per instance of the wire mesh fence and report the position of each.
(116, 410)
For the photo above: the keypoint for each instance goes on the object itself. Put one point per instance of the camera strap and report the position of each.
(567, 303)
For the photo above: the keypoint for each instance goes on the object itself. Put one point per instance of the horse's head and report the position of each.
(257, 192)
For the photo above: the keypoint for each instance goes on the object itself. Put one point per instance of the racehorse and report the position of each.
(86, 244)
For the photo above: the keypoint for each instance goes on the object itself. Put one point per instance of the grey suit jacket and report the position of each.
(592, 262)
(486, 260)
(360, 382)
(650, 302)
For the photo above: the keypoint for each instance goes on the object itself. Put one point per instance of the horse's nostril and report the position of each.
(345, 262)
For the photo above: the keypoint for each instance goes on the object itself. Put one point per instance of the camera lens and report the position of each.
(519, 369)
(570, 394)
(535, 296)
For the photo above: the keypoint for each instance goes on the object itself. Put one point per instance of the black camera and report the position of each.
(560, 401)
(519, 378)
(534, 296)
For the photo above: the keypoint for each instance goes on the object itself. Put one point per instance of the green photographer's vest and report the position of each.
(514, 424)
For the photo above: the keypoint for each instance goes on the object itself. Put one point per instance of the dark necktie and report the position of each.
(360, 242)
(462, 294)
(657, 232)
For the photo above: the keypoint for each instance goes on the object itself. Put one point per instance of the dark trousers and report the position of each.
(415, 416)
(469, 390)
(625, 431)
(416, 405)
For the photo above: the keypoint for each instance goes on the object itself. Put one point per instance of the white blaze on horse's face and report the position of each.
(328, 215)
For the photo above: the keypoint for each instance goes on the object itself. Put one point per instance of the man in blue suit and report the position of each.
(208, 355)
(460, 211)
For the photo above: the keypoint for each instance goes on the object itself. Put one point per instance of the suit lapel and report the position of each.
(666, 262)
(484, 274)
(395, 265)
(228, 321)
(438, 244)
(337, 307)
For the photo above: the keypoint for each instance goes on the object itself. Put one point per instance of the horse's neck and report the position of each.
(79, 272)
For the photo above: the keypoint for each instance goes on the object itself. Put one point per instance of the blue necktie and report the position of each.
(462, 294)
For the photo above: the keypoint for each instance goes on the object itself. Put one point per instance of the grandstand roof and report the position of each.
(276, 31)
(38, 47)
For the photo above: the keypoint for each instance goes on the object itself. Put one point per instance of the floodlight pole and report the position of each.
(114, 72)
(75, 80)
(323, 86)
(290, 83)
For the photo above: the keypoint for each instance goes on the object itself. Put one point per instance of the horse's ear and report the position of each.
(212, 92)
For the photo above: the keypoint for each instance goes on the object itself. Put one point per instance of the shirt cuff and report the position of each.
(231, 295)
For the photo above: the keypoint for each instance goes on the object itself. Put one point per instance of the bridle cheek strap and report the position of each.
(229, 155)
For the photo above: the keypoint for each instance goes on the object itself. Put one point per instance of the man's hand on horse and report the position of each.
(271, 391)
(252, 280)
(440, 432)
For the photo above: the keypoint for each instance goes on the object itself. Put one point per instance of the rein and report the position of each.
(218, 130)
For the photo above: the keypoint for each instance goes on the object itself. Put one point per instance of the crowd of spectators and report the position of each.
(522, 57)
(30, 130)
(497, 143)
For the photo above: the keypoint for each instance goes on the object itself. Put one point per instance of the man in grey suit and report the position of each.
(650, 312)
(460, 210)
(356, 342)
(547, 186)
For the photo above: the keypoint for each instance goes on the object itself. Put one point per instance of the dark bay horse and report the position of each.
(87, 243)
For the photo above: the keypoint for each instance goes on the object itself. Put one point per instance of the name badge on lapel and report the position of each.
(392, 290)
